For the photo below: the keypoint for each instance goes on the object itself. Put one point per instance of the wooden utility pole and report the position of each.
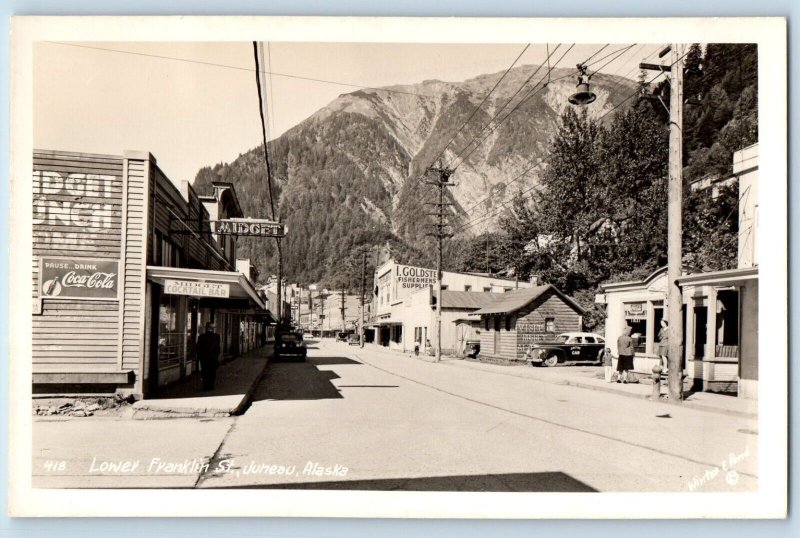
(442, 182)
(344, 323)
(675, 226)
(363, 291)
(674, 217)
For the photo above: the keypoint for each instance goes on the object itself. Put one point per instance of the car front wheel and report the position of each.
(550, 360)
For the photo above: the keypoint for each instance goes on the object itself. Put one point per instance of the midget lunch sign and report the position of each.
(197, 289)
(79, 278)
(249, 228)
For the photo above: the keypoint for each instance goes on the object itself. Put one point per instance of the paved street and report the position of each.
(353, 418)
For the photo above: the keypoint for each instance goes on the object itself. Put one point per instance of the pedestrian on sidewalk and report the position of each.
(625, 355)
(663, 345)
(608, 369)
(208, 348)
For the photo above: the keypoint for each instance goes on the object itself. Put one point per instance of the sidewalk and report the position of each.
(235, 383)
(591, 377)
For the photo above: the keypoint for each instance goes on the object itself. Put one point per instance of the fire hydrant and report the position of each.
(656, 382)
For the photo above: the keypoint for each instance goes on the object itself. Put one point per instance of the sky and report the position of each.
(195, 104)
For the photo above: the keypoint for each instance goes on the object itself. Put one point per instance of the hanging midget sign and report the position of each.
(197, 289)
(249, 228)
(79, 278)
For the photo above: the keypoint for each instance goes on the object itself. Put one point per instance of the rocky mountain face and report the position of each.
(353, 174)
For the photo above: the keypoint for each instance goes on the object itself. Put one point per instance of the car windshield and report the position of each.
(562, 338)
(291, 337)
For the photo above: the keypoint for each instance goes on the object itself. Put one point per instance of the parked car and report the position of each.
(290, 344)
(354, 340)
(574, 346)
(341, 336)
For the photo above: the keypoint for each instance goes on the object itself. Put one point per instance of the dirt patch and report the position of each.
(103, 406)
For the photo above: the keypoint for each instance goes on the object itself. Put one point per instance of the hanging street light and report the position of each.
(583, 95)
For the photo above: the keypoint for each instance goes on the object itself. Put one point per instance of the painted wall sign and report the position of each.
(249, 228)
(79, 278)
(197, 289)
(529, 333)
(408, 277)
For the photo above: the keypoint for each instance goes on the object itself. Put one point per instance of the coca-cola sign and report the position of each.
(79, 278)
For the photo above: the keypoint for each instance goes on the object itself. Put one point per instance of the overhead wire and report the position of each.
(520, 176)
(477, 108)
(486, 216)
(239, 68)
(508, 102)
(533, 91)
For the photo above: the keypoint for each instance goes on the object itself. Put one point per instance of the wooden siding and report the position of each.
(130, 350)
(77, 212)
(549, 305)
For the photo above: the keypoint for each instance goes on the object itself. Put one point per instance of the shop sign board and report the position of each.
(635, 311)
(196, 288)
(249, 228)
(79, 278)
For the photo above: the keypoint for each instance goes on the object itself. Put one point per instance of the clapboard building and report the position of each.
(126, 270)
(523, 317)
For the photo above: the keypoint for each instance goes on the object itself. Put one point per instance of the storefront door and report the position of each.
(700, 331)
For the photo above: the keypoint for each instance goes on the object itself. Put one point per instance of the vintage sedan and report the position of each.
(290, 344)
(575, 346)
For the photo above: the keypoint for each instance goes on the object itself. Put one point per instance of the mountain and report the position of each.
(351, 175)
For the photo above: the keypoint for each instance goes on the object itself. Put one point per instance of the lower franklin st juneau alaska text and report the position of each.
(223, 466)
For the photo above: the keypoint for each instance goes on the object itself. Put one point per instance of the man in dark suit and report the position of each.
(208, 348)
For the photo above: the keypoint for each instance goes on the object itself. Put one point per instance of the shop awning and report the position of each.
(217, 285)
(729, 277)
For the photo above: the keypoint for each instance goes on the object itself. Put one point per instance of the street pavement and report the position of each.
(353, 418)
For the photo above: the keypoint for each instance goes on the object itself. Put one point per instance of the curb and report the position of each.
(144, 412)
(611, 390)
(689, 404)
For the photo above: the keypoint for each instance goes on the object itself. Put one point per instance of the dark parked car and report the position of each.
(341, 336)
(290, 344)
(566, 347)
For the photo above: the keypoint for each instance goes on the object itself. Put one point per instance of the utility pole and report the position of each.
(441, 183)
(675, 225)
(674, 217)
(363, 291)
(344, 323)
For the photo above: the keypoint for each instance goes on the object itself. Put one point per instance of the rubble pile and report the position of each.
(80, 407)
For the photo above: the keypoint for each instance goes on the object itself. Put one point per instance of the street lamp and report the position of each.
(674, 208)
(583, 95)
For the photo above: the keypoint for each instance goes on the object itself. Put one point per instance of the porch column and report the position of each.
(711, 338)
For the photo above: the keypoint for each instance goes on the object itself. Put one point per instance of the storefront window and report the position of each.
(172, 330)
(636, 318)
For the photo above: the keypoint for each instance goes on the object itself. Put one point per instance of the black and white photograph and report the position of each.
(343, 267)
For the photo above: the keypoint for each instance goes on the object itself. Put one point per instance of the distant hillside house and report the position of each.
(522, 317)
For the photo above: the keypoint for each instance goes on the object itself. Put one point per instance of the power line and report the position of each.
(477, 108)
(510, 99)
(622, 51)
(238, 68)
(486, 216)
(601, 49)
(533, 91)
(269, 183)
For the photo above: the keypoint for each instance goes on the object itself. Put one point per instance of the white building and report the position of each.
(720, 307)
(403, 314)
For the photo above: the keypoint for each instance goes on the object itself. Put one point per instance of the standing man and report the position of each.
(208, 348)
(625, 354)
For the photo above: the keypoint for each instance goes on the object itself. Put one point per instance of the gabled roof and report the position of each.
(467, 300)
(518, 299)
